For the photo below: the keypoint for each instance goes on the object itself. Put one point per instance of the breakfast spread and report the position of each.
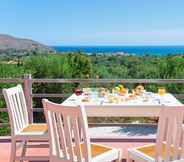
(119, 94)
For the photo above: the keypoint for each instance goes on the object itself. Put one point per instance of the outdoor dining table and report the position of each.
(100, 107)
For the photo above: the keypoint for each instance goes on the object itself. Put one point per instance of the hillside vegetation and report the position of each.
(79, 65)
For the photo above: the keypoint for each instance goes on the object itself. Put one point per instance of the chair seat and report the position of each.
(148, 152)
(102, 153)
(35, 129)
(99, 153)
(96, 149)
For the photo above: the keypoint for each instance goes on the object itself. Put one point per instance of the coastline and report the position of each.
(123, 50)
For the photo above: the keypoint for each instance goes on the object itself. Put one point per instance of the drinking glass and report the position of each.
(161, 91)
(78, 92)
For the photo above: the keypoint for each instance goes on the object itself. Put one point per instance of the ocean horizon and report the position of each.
(126, 50)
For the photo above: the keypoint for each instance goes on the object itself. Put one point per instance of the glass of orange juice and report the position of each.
(161, 91)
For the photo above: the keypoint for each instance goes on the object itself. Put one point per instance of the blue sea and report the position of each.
(130, 50)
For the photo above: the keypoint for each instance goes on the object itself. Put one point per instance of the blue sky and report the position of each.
(95, 22)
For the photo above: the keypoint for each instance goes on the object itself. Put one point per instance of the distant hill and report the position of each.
(12, 47)
(10, 42)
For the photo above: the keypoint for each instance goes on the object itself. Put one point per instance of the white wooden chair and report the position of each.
(170, 139)
(21, 129)
(69, 139)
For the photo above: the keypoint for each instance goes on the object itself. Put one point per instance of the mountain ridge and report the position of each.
(11, 42)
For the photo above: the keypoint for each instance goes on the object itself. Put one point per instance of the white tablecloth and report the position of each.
(154, 100)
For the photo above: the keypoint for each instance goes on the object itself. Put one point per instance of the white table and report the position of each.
(133, 108)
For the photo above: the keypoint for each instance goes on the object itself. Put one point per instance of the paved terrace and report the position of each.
(5, 149)
(121, 136)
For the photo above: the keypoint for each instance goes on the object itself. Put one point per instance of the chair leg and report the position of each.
(129, 159)
(23, 150)
(119, 157)
(13, 150)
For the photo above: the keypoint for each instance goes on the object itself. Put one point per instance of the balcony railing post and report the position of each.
(28, 95)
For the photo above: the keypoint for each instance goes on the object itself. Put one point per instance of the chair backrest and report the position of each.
(17, 109)
(170, 135)
(68, 136)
